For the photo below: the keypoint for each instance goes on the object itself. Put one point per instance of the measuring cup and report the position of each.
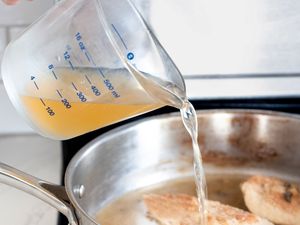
(88, 64)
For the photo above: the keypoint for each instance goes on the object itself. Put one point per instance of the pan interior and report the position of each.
(157, 151)
(130, 209)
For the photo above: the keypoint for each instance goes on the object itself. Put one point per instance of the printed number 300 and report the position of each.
(81, 97)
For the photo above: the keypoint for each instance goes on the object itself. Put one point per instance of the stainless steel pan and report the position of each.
(159, 149)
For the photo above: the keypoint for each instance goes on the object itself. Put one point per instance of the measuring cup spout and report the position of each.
(156, 71)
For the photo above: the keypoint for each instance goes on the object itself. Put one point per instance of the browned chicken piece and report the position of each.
(272, 198)
(182, 209)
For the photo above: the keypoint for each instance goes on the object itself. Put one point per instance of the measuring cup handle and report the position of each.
(52, 194)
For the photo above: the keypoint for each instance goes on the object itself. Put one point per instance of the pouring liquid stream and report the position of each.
(189, 118)
(171, 95)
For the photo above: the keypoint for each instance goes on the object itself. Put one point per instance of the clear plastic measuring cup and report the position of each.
(88, 64)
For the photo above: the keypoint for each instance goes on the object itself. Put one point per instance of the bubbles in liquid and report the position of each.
(189, 118)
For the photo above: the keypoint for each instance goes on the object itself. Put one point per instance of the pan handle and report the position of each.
(52, 194)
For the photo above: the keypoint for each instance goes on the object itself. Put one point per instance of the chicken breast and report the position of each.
(182, 209)
(272, 198)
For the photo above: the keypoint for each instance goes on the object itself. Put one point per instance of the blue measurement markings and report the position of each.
(130, 55)
(49, 110)
(94, 89)
(65, 102)
(67, 57)
(58, 92)
(37, 87)
(87, 78)
(86, 53)
(51, 67)
(79, 94)
(42, 101)
(119, 35)
(74, 86)
(74, 56)
(35, 84)
(89, 57)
